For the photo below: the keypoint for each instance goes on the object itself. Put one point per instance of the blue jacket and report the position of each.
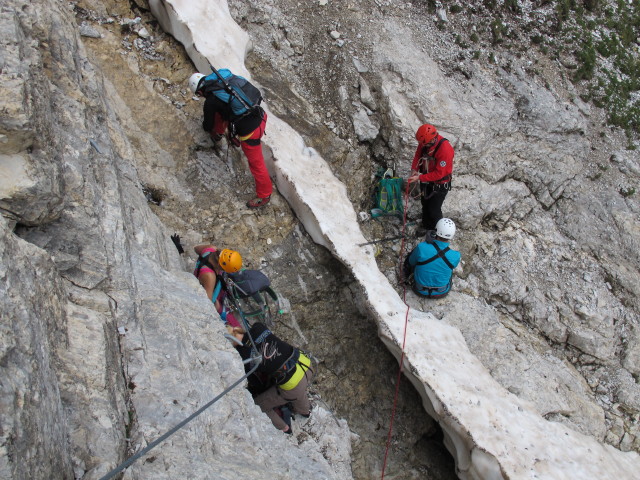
(436, 273)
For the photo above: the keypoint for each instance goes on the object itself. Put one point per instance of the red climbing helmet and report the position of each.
(426, 133)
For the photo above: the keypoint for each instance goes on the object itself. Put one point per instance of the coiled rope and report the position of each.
(404, 338)
(155, 443)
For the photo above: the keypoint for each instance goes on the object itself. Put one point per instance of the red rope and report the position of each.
(406, 322)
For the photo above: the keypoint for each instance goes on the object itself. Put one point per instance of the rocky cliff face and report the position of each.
(107, 342)
(544, 190)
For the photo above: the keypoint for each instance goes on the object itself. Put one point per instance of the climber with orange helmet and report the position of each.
(209, 270)
(432, 166)
(240, 116)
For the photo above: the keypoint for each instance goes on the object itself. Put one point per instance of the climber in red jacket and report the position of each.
(432, 166)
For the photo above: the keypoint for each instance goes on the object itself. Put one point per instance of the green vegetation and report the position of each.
(602, 36)
(490, 4)
(537, 39)
(627, 192)
(459, 41)
(608, 63)
(512, 6)
(498, 31)
(586, 62)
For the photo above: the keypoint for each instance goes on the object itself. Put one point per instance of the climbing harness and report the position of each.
(301, 363)
(429, 189)
(424, 159)
(162, 438)
(434, 291)
(441, 253)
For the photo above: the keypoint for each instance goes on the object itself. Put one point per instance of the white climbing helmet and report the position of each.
(445, 228)
(194, 81)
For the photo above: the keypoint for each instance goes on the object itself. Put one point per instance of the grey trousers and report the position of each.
(276, 397)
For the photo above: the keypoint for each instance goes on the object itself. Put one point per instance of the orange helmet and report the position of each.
(230, 260)
(426, 133)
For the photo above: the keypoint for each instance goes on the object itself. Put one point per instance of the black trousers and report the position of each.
(432, 199)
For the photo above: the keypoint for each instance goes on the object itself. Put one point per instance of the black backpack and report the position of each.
(249, 282)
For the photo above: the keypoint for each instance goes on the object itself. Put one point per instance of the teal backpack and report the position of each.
(241, 95)
(388, 195)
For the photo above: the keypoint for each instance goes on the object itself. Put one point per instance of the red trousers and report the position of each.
(253, 152)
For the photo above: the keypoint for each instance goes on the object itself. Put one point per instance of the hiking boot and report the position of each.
(285, 413)
(308, 414)
(258, 202)
(430, 235)
(216, 137)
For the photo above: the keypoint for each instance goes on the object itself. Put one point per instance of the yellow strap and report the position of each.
(304, 363)
(245, 137)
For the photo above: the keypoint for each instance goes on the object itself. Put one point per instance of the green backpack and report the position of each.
(388, 195)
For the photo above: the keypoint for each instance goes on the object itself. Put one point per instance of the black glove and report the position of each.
(176, 241)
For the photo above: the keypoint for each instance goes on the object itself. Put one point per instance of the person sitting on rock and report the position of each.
(209, 268)
(246, 128)
(287, 368)
(429, 267)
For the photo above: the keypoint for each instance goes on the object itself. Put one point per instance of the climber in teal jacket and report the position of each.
(429, 267)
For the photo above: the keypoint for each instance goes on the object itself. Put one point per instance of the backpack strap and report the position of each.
(281, 374)
(202, 261)
(446, 178)
(441, 254)
(442, 140)
(435, 150)
(232, 93)
(424, 156)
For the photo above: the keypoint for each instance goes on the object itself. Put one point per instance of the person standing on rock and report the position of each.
(287, 368)
(432, 166)
(232, 106)
(429, 267)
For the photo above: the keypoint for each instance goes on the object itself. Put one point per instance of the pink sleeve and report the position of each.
(206, 269)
